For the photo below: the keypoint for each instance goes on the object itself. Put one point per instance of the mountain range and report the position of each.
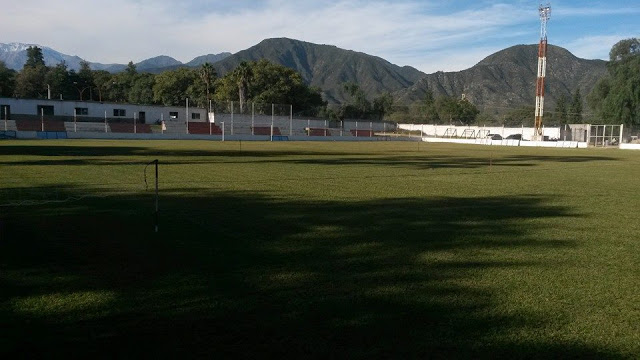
(503, 80)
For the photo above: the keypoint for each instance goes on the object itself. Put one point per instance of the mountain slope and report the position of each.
(328, 67)
(507, 78)
(210, 58)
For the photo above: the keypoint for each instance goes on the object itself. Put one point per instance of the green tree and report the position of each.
(171, 88)
(102, 80)
(382, 105)
(242, 75)
(575, 111)
(142, 90)
(208, 75)
(59, 81)
(30, 81)
(7, 80)
(560, 114)
(34, 57)
(519, 116)
(616, 98)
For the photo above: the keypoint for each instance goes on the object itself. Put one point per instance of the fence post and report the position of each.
(222, 131)
(42, 119)
(272, 115)
(75, 126)
(308, 127)
(105, 121)
(341, 127)
(326, 127)
(356, 128)
(621, 128)
(370, 129)
(271, 136)
(134, 123)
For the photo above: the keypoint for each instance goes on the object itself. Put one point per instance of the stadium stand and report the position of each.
(203, 128)
(266, 130)
(36, 125)
(318, 132)
(128, 128)
(362, 133)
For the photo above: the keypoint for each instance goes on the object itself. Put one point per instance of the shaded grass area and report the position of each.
(375, 251)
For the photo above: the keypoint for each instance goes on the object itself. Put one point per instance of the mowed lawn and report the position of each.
(318, 250)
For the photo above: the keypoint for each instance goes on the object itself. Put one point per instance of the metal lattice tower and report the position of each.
(545, 14)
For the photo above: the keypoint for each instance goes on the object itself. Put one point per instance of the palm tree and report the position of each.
(207, 74)
(243, 75)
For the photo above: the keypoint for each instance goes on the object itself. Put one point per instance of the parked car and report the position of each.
(514, 137)
(494, 136)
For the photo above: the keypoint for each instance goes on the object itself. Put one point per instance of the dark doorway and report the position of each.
(5, 112)
(45, 110)
(142, 117)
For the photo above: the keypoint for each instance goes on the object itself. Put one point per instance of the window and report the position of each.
(82, 111)
(173, 115)
(195, 116)
(119, 112)
(45, 110)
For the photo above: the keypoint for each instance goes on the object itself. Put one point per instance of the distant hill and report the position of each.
(506, 79)
(328, 67)
(210, 58)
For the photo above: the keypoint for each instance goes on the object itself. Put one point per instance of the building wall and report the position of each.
(96, 110)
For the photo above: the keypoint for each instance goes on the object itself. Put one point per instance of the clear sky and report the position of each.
(446, 35)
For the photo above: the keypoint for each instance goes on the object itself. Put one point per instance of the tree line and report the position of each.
(259, 81)
(615, 99)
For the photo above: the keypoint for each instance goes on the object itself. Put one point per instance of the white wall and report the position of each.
(441, 130)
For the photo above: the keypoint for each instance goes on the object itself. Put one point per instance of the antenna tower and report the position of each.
(545, 14)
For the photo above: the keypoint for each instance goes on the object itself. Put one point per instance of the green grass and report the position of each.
(319, 250)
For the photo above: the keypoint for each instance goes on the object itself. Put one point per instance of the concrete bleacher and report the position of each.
(318, 132)
(204, 128)
(266, 130)
(38, 125)
(362, 133)
(129, 128)
(84, 126)
(8, 125)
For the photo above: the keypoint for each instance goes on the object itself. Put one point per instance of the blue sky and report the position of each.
(447, 35)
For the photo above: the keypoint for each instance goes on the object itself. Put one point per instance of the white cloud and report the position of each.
(409, 32)
(595, 47)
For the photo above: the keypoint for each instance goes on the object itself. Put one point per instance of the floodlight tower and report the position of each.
(545, 14)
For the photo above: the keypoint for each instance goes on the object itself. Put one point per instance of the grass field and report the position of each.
(316, 250)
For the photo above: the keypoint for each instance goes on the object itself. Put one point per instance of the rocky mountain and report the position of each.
(210, 58)
(507, 78)
(14, 55)
(328, 67)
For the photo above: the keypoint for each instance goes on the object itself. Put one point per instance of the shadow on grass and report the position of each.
(238, 275)
(104, 155)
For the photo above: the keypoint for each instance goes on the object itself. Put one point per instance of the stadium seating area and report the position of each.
(266, 130)
(318, 132)
(203, 128)
(36, 125)
(362, 133)
(128, 128)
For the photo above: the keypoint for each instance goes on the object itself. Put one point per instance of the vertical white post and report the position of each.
(271, 136)
(326, 126)
(105, 121)
(384, 128)
(308, 127)
(42, 118)
(222, 131)
(272, 115)
(370, 129)
(253, 112)
(187, 116)
(341, 127)
(290, 120)
(356, 129)
(209, 106)
(135, 130)
(565, 132)
(620, 140)
(75, 114)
